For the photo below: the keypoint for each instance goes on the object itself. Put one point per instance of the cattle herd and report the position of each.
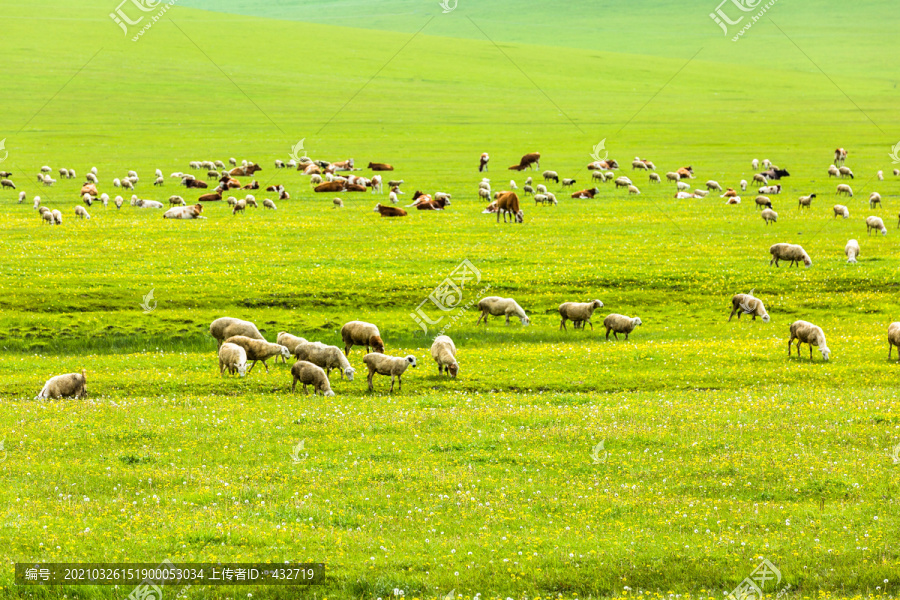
(240, 341)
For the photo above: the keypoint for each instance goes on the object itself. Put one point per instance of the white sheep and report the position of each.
(841, 211)
(874, 198)
(875, 223)
(176, 201)
(119, 201)
(701, 193)
(512, 184)
(226, 327)
(80, 211)
(92, 178)
(338, 203)
(769, 216)
(743, 185)
(443, 351)
(766, 163)
(37, 202)
(117, 182)
(310, 374)
(880, 175)
(791, 252)
(22, 196)
(160, 181)
(104, 198)
(683, 186)
(807, 333)
(57, 217)
(65, 386)
(633, 189)
(845, 172)
(617, 324)
(713, 185)
(578, 312)
(269, 204)
(233, 358)
(289, 341)
(852, 251)
(805, 201)
(325, 356)
(755, 164)
(653, 177)
(748, 304)
(258, 350)
(497, 306)
(315, 179)
(388, 365)
(843, 188)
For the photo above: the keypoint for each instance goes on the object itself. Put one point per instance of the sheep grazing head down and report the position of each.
(766, 318)
(285, 352)
(826, 353)
(349, 372)
(242, 369)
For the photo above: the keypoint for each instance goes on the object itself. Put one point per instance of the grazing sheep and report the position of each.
(567, 182)
(551, 176)
(875, 223)
(623, 182)
(807, 333)
(702, 193)
(80, 211)
(760, 178)
(159, 181)
(791, 252)
(845, 172)
(22, 196)
(65, 386)
(338, 203)
(833, 171)
(47, 216)
(90, 177)
(755, 164)
(748, 304)
(880, 175)
(896, 172)
(894, 339)
(71, 174)
(251, 202)
(672, 176)
(713, 185)
(443, 351)
(315, 179)
(226, 327)
(360, 333)
(617, 324)
(289, 341)
(176, 201)
(578, 312)
(497, 306)
(655, 177)
(874, 199)
(841, 211)
(512, 184)
(805, 201)
(483, 193)
(104, 198)
(388, 365)
(541, 188)
(269, 204)
(852, 251)
(48, 181)
(327, 357)
(7, 183)
(769, 216)
(766, 163)
(258, 350)
(633, 189)
(743, 185)
(763, 201)
(233, 358)
(682, 186)
(844, 189)
(239, 206)
(57, 217)
(540, 198)
(309, 374)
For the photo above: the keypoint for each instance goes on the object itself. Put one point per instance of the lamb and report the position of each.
(852, 251)
(844, 189)
(791, 252)
(805, 201)
(80, 211)
(338, 203)
(894, 339)
(841, 211)
(251, 202)
(769, 216)
(713, 185)
(541, 188)
(269, 204)
(875, 223)
(874, 199)
(65, 386)
(443, 351)
(87, 199)
(233, 358)
(748, 304)
(513, 185)
(578, 312)
(360, 333)
(497, 306)
(309, 374)
(104, 198)
(388, 365)
(258, 350)
(617, 324)
(226, 327)
(90, 177)
(766, 163)
(807, 333)
(327, 357)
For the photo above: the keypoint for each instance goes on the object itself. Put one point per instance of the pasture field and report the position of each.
(718, 449)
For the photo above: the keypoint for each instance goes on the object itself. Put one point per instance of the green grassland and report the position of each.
(720, 450)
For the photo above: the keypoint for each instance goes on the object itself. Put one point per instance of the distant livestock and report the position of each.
(532, 159)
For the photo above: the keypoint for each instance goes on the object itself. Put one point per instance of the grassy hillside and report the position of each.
(721, 449)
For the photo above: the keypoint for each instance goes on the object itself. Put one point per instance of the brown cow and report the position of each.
(603, 165)
(344, 165)
(508, 203)
(438, 204)
(253, 185)
(584, 194)
(354, 187)
(389, 211)
(330, 186)
(250, 169)
(840, 155)
(380, 167)
(89, 188)
(686, 172)
(214, 196)
(531, 159)
(275, 188)
(195, 183)
(482, 166)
